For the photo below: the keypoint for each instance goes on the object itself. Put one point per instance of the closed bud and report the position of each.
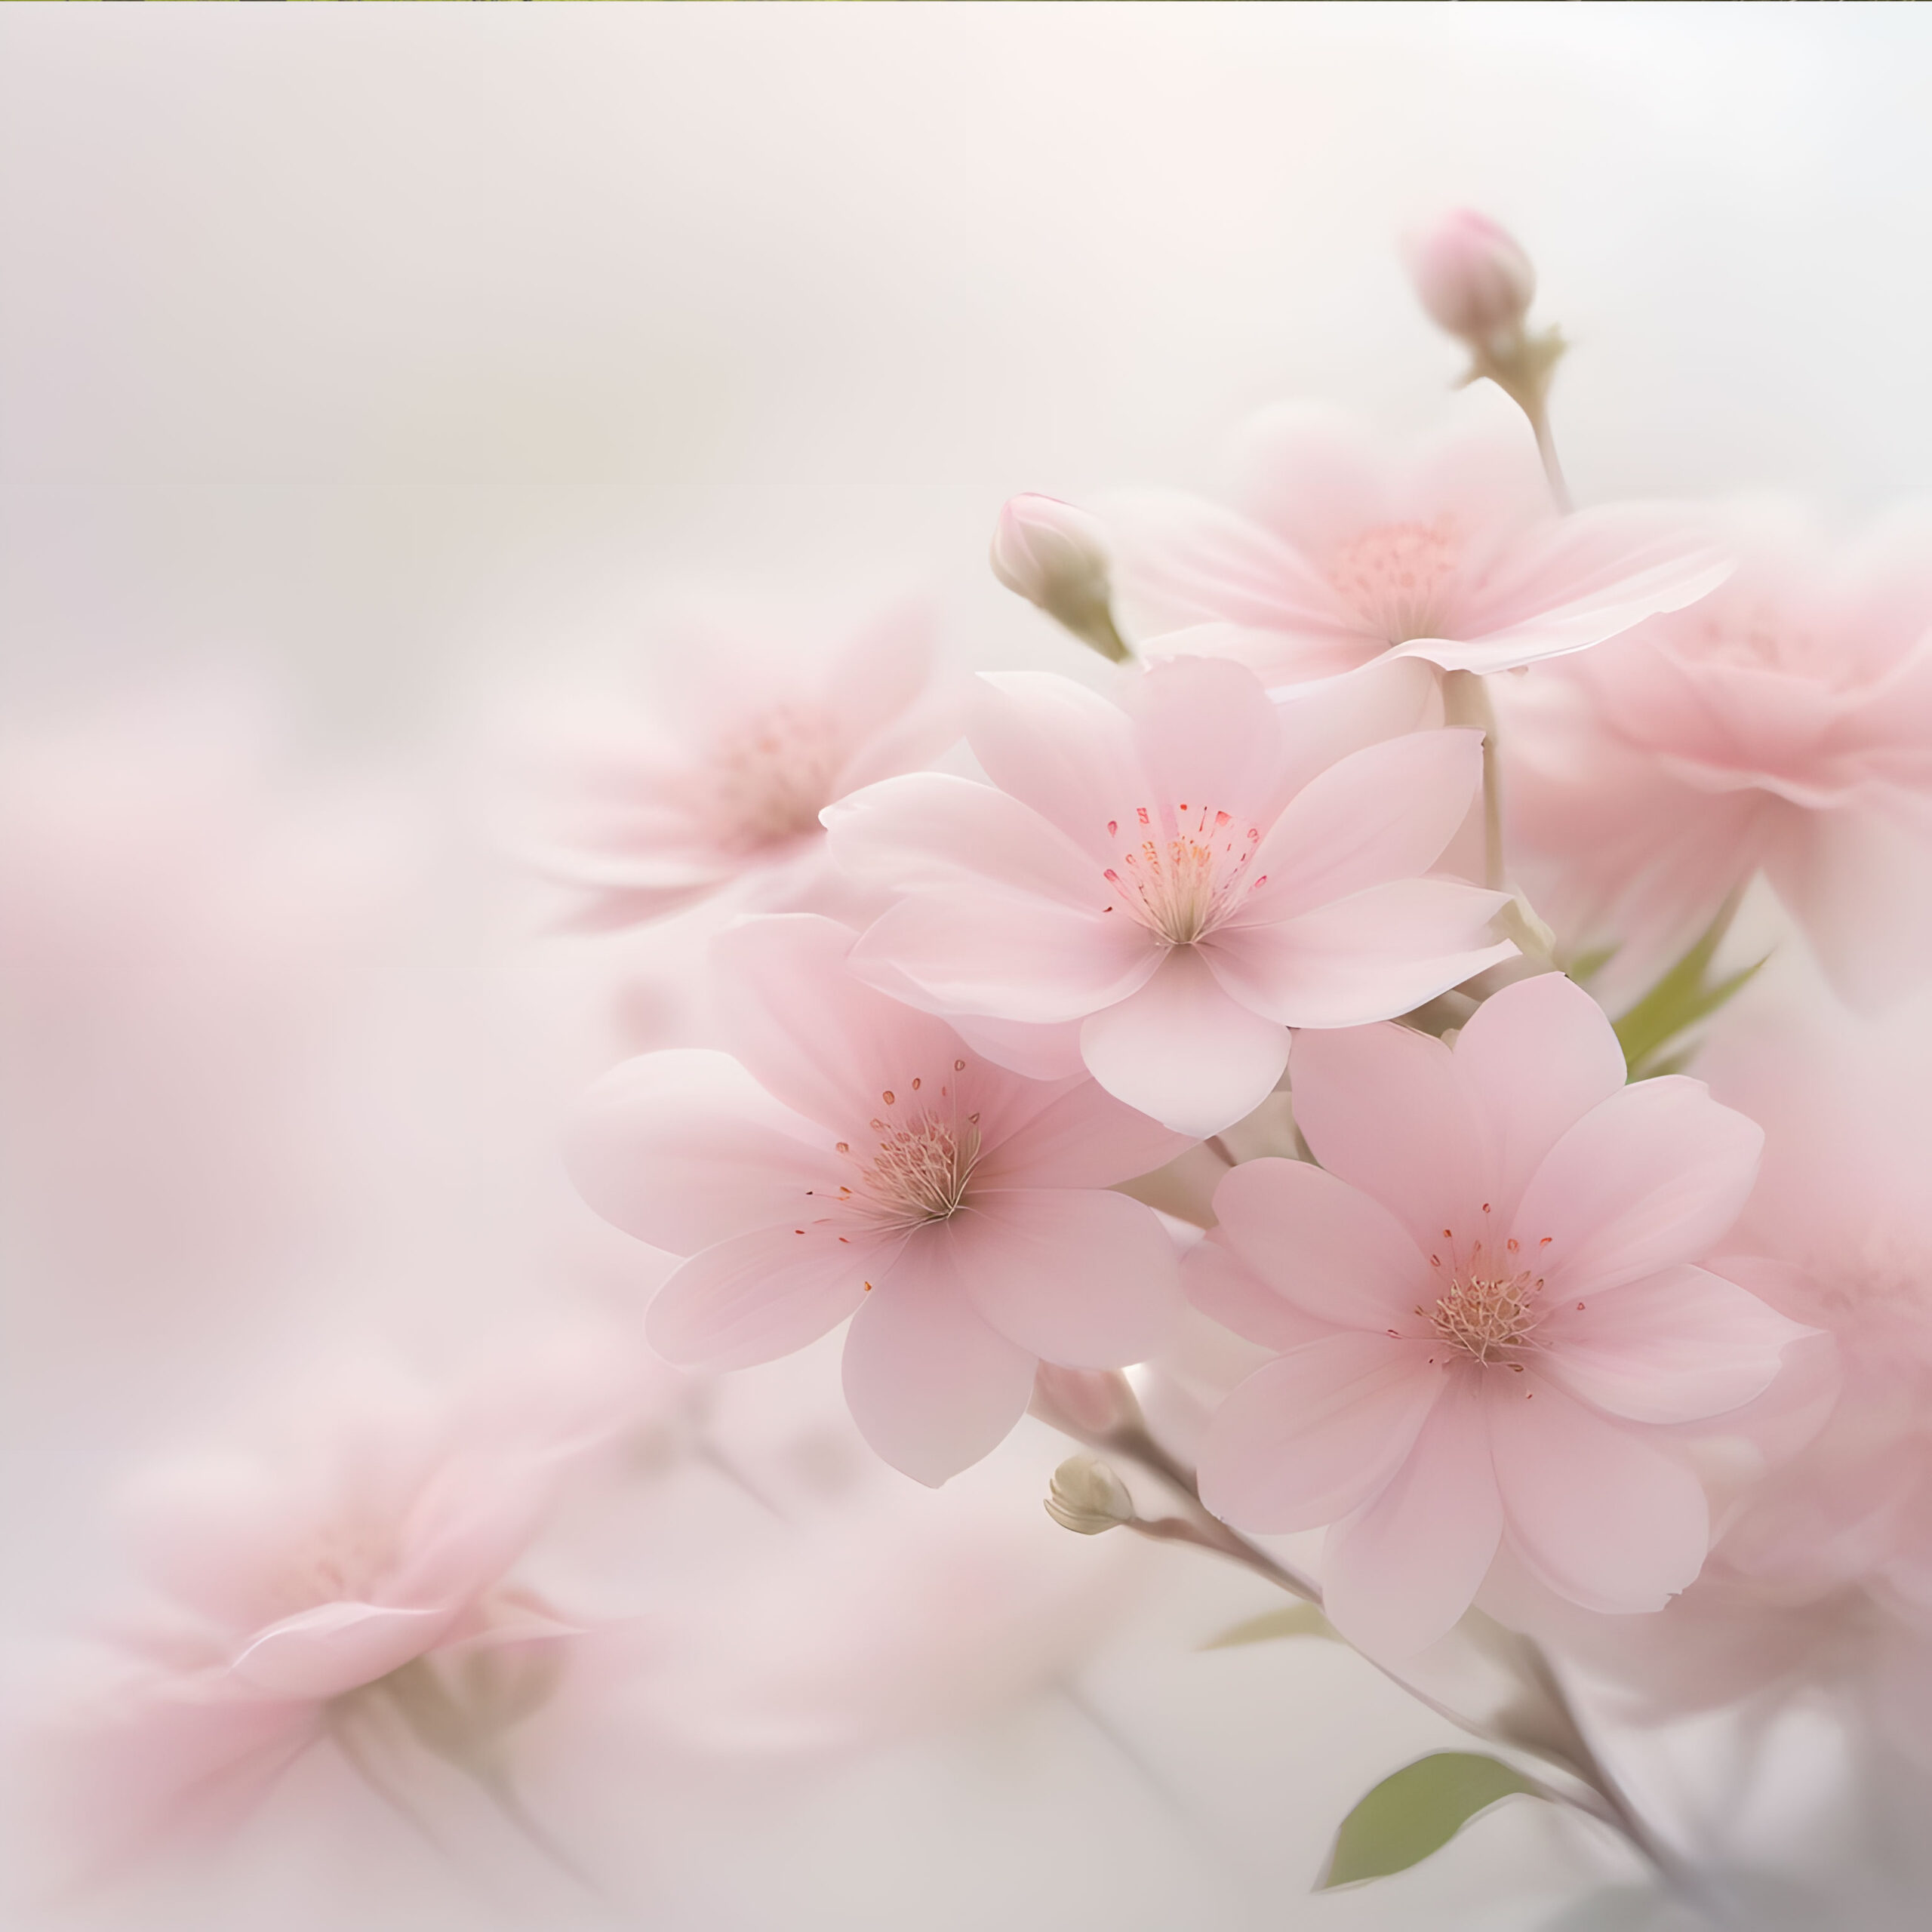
(1473, 277)
(1087, 1496)
(1056, 557)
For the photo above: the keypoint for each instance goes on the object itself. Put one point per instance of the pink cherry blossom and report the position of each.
(1785, 724)
(857, 1158)
(1499, 1256)
(1185, 870)
(1339, 554)
(370, 1562)
(721, 783)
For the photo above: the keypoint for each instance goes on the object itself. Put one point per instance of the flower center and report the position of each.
(1488, 1308)
(1182, 875)
(922, 1164)
(1397, 576)
(772, 776)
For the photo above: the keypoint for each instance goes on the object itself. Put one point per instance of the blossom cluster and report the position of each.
(1303, 1051)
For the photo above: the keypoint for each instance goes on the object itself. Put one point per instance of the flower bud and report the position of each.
(1473, 279)
(1056, 557)
(1086, 1495)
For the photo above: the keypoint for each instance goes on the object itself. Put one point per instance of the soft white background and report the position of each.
(391, 355)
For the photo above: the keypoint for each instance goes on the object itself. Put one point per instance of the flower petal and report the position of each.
(1398, 1573)
(1383, 812)
(1223, 1285)
(1597, 1514)
(1676, 1346)
(1652, 1176)
(1332, 1251)
(1535, 1058)
(761, 1296)
(1012, 955)
(684, 1148)
(1081, 1277)
(335, 1647)
(1082, 1136)
(1577, 580)
(1058, 747)
(1383, 1107)
(931, 1387)
(1208, 734)
(1367, 958)
(1311, 1434)
(1183, 1051)
(810, 1032)
(928, 831)
(1190, 574)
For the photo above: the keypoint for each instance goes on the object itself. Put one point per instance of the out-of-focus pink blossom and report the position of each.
(1185, 871)
(371, 1563)
(723, 783)
(1339, 554)
(1484, 1303)
(1784, 724)
(1835, 1234)
(1472, 277)
(858, 1158)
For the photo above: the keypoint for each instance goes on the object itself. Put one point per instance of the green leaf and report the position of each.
(1295, 1620)
(1679, 1001)
(1417, 1811)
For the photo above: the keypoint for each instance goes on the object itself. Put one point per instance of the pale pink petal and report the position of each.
(1183, 1050)
(1383, 1107)
(1081, 1277)
(1575, 581)
(1058, 747)
(1080, 1137)
(1208, 734)
(476, 1516)
(1311, 1435)
(321, 1653)
(1045, 1051)
(1220, 1284)
(1192, 575)
(761, 1296)
(811, 1032)
(1676, 1346)
(1652, 1176)
(683, 1148)
(1400, 1572)
(1015, 958)
(1535, 1058)
(1859, 879)
(1314, 475)
(1370, 957)
(1381, 814)
(932, 1387)
(1327, 1248)
(927, 832)
(1599, 1515)
(1325, 719)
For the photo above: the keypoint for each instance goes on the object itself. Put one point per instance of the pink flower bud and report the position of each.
(1055, 556)
(1473, 279)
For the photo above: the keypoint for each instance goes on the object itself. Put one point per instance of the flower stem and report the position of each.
(1465, 702)
(1602, 1798)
